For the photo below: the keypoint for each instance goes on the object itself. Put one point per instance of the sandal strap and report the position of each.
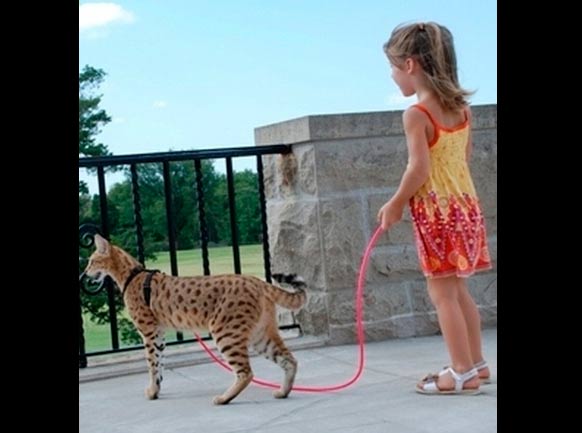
(430, 377)
(460, 379)
(481, 365)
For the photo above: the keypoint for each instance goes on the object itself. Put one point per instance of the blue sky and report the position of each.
(199, 74)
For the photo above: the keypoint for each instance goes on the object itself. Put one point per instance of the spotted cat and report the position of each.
(238, 310)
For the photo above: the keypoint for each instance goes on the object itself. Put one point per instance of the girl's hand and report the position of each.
(390, 214)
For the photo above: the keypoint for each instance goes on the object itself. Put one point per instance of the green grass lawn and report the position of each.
(221, 262)
(97, 337)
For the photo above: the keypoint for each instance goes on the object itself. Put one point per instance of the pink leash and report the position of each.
(359, 328)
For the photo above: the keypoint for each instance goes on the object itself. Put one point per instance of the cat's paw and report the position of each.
(218, 400)
(151, 393)
(280, 394)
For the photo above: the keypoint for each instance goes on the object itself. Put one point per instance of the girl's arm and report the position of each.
(417, 170)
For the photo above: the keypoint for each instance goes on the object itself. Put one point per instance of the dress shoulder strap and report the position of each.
(435, 125)
(439, 126)
(425, 111)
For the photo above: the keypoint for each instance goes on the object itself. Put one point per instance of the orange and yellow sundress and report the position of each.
(449, 227)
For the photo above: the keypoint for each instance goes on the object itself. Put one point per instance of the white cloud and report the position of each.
(92, 15)
(160, 104)
(118, 120)
(396, 100)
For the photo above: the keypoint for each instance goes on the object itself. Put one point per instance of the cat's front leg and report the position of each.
(153, 345)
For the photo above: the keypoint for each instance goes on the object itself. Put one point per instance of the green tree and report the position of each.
(122, 223)
(248, 210)
(153, 204)
(91, 116)
(185, 207)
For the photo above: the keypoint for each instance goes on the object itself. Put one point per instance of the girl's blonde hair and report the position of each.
(432, 46)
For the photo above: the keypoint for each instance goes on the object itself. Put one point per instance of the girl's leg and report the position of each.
(473, 320)
(445, 296)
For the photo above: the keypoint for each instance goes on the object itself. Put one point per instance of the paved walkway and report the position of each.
(382, 401)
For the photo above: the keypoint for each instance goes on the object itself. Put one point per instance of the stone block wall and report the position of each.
(322, 202)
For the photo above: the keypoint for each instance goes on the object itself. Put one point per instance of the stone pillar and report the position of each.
(322, 202)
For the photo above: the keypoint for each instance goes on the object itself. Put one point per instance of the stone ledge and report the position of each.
(353, 125)
(115, 365)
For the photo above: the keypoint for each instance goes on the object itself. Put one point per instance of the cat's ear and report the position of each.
(101, 244)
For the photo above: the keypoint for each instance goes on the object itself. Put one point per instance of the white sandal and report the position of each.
(479, 366)
(482, 366)
(429, 385)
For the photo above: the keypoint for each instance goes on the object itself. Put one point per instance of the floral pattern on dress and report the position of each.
(449, 227)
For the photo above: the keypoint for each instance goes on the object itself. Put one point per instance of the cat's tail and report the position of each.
(291, 301)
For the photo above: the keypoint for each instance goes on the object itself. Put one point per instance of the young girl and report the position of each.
(448, 224)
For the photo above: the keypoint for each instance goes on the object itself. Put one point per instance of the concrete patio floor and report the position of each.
(382, 401)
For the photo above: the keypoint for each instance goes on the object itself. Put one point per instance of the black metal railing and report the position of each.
(87, 231)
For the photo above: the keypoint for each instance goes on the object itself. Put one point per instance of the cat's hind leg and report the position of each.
(271, 346)
(235, 352)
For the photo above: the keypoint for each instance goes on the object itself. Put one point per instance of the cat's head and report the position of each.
(102, 261)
